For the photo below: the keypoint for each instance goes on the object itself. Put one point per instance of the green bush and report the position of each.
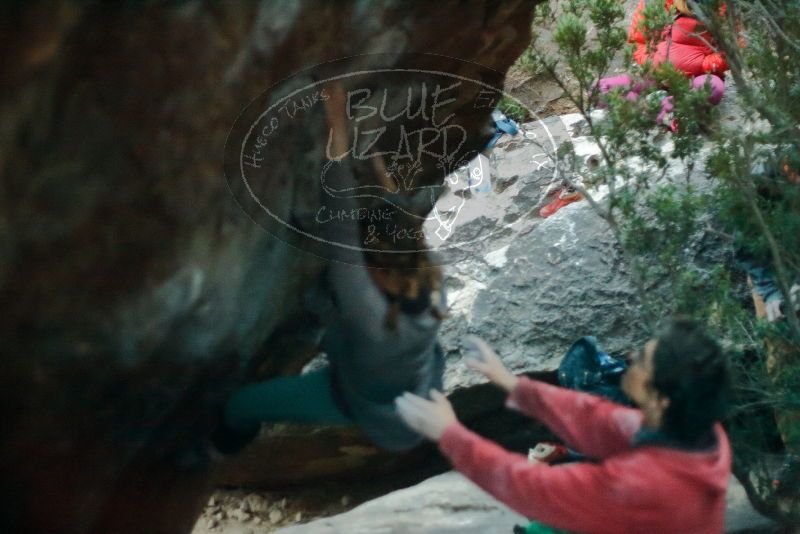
(746, 199)
(513, 109)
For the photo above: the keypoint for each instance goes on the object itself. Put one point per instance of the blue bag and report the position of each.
(587, 368)
(503, 125)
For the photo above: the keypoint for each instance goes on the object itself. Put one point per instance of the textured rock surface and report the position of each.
(449, 503)
(561, 280)
(532, 291)
(446, 503)
(536, 290)
(137, 294)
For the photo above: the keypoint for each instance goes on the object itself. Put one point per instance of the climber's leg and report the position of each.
(306, 398)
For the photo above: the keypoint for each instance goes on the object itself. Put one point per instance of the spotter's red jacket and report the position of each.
(636, 486)
(684, 43)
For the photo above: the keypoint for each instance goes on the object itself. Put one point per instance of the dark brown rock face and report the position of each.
(136, 293)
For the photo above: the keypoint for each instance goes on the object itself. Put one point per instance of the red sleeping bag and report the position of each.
(684, 43)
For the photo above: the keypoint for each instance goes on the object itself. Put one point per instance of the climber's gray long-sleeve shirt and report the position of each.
(372, 364)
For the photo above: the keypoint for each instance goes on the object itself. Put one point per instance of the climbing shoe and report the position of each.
(567, 195)
(503, 125)
(534, 527)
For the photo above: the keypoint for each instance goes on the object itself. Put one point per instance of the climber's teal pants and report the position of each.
(534, 527)
(306, 398)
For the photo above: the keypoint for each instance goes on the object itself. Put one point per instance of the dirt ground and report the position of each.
(537, 93)
(239, 511)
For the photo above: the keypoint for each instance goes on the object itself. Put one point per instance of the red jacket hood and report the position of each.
(710, 468)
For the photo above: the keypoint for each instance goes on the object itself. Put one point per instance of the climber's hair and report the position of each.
(690, 369)
(415, 280)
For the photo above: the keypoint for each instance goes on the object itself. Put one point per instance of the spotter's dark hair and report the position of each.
(690, 369)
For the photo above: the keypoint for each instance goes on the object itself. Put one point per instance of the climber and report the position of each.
(686, 45)
(661, 468)
(381, 339)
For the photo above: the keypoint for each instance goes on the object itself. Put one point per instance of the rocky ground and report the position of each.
(449, 504)
(443, 504)
(239, 511)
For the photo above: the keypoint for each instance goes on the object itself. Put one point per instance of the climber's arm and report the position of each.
(362, 306)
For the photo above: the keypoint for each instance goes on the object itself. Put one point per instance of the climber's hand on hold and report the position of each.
(428, 417)
(338, 186)
(336, 120)
(337, 178)
(483, 359)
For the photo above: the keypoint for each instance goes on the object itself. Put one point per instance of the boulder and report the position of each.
(442, 504)
(138, 294)
(543, 283)
(450, 503)
(540, 284)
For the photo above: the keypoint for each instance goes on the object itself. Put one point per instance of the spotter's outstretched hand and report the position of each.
(482, 358)
(428, 417)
